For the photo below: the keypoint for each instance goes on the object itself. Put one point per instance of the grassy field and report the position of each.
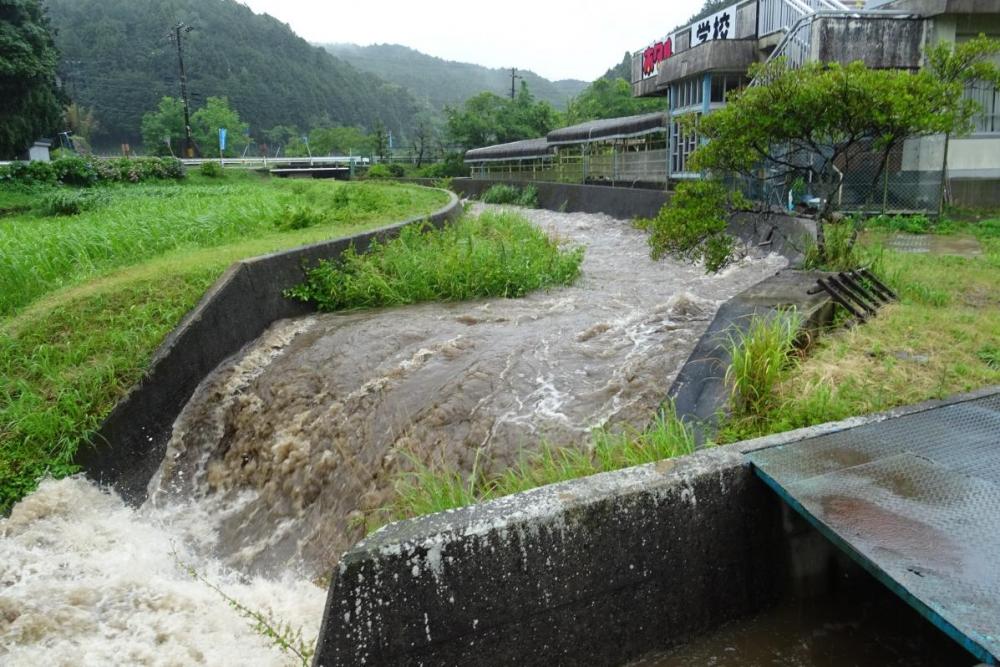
(941, 338)
(85, 299)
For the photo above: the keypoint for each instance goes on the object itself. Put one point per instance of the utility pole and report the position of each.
(189, 150)
(513, 78)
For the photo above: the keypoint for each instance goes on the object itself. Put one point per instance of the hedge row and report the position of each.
(87, 171)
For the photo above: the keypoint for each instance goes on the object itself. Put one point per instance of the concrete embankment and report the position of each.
(247, 299)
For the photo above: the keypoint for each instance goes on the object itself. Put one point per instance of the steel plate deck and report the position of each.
(916, 501)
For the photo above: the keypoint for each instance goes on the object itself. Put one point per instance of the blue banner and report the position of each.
(222, 138)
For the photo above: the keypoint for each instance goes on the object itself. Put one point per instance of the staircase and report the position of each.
(794, 19)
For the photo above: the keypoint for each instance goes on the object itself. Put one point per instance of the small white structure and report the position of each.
(39, 151)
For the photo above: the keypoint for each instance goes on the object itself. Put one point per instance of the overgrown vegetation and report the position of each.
(85, 301)
(492, 255)
(502, 193)
(426, 489)
(692, 225)
(759, 355)
(940, 339)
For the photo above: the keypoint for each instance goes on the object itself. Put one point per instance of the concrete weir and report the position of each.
(595, 571)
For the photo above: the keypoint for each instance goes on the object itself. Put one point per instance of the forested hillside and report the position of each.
(118, 60)
(443, 83)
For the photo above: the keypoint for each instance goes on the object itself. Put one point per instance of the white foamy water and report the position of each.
(85, 580)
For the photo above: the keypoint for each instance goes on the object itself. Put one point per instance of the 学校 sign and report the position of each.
(717, 26)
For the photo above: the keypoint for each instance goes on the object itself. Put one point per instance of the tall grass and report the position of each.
(68, 357)
(502, 193)
(427, 489)
(131, 223)
(759, 355)
(492, 255)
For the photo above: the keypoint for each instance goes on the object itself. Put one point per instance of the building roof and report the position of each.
(516, 150)
(610, 128)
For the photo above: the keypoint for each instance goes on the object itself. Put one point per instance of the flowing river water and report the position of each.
(285, 449)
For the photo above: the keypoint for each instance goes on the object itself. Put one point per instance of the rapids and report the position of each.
(292, 443)
(286, 446)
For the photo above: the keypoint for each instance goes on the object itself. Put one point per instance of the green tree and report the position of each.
(340, 141)
(816, 122)
(488, 119)
(609, 98)
(30, 104)
(163, 129)
(206, 122)
(970, 63)
(80, 121)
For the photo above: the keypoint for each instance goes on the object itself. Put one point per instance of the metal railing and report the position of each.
(778, 15)
(607, 166)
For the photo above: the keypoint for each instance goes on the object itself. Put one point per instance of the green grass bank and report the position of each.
(87, 294)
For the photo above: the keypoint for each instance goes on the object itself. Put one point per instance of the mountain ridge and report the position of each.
(440, 82)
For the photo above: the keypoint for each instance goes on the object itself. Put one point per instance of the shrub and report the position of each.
(692, 225)
(759, 355)
(74, 170)
(84, 171)
(210, 169)
(512, 194)
(493, 255)
(452, 166)
(379, 171)
(397, 170)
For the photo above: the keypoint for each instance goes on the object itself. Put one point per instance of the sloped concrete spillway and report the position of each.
(284, 448)
(298, 440)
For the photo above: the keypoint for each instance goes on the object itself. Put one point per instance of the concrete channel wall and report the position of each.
(236, 310)
(595, 571)
(624, 203)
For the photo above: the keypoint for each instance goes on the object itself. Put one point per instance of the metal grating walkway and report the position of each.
(915, 500)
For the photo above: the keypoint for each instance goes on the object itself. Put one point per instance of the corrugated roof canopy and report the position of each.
(610, 128)
(516, 150)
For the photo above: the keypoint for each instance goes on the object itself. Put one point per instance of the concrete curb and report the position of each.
(236, 310)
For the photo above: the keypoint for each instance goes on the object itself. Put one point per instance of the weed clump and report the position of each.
(759, 355)
(512, 194)
(211, 169)
(493, 255)
(427, 489)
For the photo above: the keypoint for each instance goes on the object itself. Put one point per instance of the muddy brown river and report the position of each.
(305, 434)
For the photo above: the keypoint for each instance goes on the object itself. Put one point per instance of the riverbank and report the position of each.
(89, 297)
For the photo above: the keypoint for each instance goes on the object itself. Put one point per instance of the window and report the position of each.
(682, 144)
(687, 93)
(723, 84)
(987, 121)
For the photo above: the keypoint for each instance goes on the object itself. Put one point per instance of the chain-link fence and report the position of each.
(909, 179)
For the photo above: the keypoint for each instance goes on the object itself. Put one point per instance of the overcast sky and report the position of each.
(580, 39)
